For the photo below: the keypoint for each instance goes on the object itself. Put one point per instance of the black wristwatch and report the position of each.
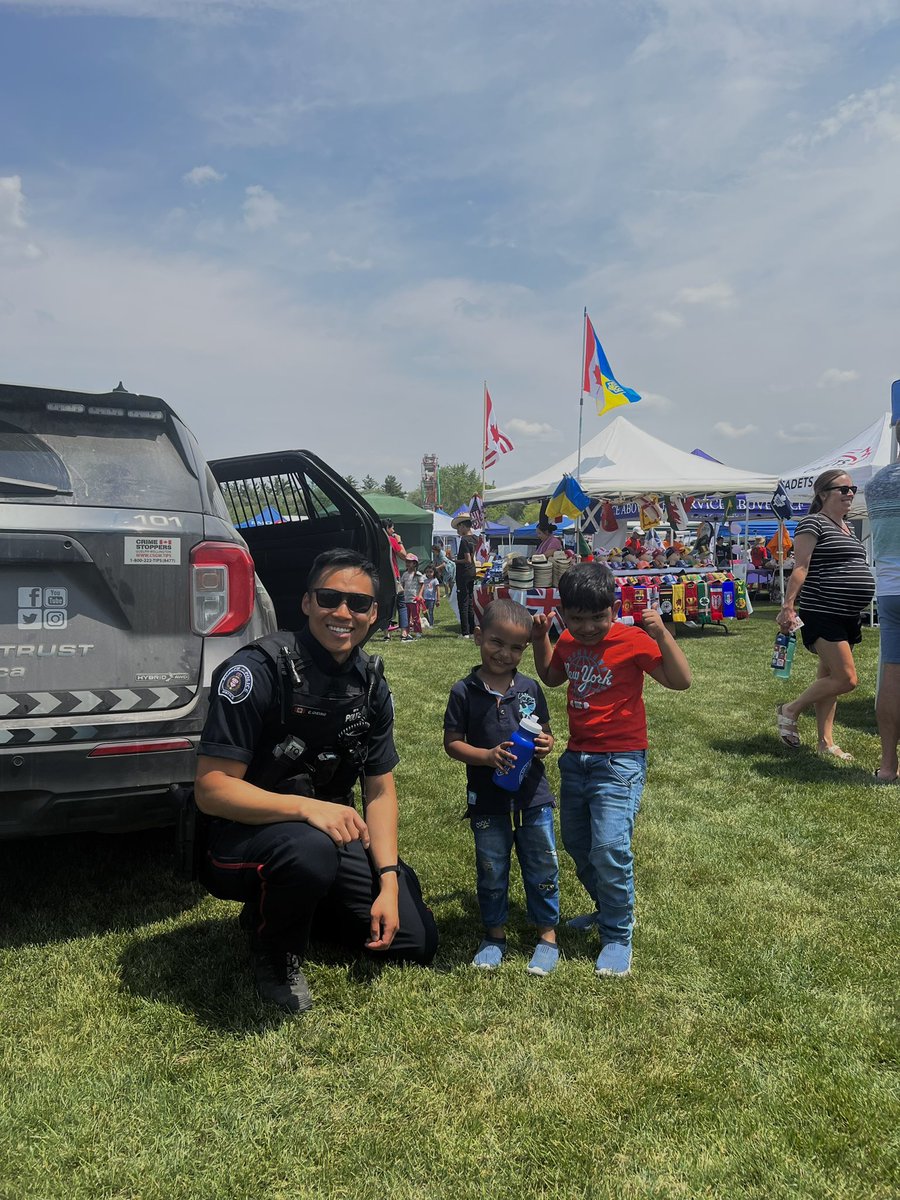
(387, 870)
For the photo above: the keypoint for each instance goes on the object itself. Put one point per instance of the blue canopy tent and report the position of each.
(268, 516)
(566, 525)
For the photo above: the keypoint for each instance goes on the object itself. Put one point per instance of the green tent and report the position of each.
(412, 524)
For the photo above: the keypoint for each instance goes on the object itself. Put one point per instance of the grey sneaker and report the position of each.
(280, 979)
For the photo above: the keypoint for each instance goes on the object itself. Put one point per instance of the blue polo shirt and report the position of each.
(485, 719)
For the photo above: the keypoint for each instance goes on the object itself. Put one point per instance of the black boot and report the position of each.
(279, 977)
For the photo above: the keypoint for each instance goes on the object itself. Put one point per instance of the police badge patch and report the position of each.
(236, 684)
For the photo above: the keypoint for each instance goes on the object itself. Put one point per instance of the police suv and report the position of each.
(124, 583)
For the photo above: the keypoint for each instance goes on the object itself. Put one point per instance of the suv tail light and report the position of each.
(222, 588)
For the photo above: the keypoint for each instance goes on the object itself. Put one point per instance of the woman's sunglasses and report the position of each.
(357, 602)
(846, 489)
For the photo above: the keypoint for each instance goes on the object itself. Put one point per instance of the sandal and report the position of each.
(876, 778)
(787, 729)
(833, 751)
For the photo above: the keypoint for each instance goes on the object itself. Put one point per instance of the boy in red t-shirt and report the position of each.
(603, 769)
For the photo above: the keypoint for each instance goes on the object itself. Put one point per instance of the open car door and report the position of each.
(290, 506)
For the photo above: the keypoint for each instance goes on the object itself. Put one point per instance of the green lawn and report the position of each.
(752, 1053)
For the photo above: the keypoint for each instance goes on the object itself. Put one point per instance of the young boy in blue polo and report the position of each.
(603, 769)
(483, 713)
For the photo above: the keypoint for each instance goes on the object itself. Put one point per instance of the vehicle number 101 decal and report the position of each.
(152, 551)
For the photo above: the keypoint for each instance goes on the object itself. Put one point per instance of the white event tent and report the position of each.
(623, 462)
(861, 457)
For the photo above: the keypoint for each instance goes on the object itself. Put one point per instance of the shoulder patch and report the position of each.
(236, 684)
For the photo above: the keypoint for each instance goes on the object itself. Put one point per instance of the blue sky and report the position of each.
(323, 224)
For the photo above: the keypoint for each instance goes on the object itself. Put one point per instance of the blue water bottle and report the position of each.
(523, 748)
(783, 655)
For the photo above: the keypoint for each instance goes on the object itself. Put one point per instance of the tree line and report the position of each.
(458, 484)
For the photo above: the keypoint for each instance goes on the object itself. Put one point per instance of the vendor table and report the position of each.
(547, 600)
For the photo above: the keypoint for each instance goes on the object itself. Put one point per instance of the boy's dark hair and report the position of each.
(588, 587)
(510, 611)
(341, 559)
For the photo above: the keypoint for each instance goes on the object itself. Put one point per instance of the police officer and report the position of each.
(295, 720)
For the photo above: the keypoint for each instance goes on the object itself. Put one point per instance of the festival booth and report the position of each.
(624, 464)
(443, 530)
(413, 524)
(862, 457)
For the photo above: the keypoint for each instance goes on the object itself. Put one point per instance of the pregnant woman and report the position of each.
(830, 585)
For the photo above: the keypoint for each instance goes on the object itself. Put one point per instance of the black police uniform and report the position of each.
(305, 725)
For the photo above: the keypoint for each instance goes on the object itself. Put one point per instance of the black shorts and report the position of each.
(831, 627)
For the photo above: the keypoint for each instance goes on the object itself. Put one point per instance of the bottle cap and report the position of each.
(530, 725)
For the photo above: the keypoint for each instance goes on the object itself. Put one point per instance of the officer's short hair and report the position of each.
(341, 559)
(509, 611)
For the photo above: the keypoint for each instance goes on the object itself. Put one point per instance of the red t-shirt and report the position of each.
(606, 682)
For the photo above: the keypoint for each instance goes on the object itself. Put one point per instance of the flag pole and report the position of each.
(580, 422)
(483, 438)
(581, 391)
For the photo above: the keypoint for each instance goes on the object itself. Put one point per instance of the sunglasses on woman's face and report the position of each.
(357, 602)
(846, 489)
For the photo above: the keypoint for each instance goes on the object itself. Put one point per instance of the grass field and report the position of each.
(752, 1053)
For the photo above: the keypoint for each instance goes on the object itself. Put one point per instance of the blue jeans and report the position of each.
(600, 796)
(536, 851)
(402, 613)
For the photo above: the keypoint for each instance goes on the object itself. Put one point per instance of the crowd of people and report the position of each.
(298, 721)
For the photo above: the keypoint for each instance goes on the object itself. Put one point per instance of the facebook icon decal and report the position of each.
(31, 597)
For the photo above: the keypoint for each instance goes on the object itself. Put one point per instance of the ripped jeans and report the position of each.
(536, 851)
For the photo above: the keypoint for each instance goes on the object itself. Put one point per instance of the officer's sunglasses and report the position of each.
(357, 602)
(846, 489)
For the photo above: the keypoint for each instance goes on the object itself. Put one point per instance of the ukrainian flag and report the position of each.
(599, 381)
(568, 500)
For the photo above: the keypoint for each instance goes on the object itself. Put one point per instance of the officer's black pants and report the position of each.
(302, 885)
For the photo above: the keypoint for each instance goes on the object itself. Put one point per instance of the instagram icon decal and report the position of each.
(43, 607)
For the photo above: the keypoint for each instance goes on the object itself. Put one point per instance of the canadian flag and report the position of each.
(495, 442)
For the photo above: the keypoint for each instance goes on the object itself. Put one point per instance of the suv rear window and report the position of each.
(51, 457)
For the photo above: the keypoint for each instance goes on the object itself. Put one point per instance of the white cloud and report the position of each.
(668, 320)
(733, 431)
(874, 110)
(14, 242)
(529, 429)
(834, 377)
(198, 176)
(654, 402)
(12, 203)
(261, 209)
(803, 431)
(345, 262)
(718, 295)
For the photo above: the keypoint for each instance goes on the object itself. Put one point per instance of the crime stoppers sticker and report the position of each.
(152, 552)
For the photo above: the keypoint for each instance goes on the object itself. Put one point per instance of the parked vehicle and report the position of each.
(123, 585)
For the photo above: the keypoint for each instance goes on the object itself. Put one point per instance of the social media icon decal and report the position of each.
(43, 607)
(30, 597)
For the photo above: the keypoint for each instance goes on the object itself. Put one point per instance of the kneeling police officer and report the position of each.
(295, 720)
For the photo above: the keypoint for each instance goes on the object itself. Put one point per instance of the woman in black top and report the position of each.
(465, 574)
(830, 584)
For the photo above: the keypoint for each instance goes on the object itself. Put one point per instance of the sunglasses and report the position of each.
(357, 602)
(846, 489)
